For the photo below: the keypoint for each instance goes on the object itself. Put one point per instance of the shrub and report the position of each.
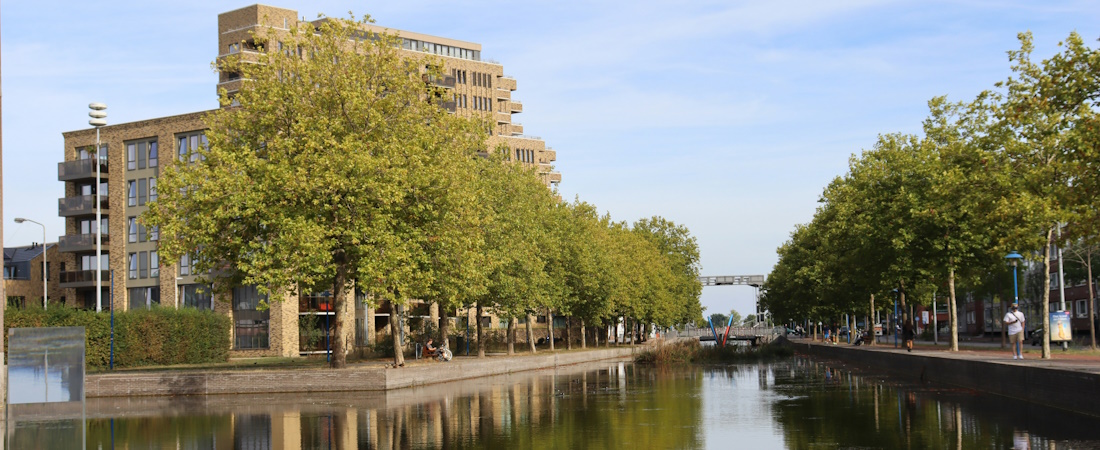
(157, 336)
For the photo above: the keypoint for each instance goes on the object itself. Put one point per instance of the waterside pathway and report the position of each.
(356, 377)
(1063, 382)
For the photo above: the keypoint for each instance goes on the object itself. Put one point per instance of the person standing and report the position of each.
(1015, 321)
(907, 333)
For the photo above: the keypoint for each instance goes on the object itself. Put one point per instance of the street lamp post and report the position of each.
(99, 119)
(45, 273)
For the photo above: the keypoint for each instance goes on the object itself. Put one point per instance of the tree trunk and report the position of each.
(530, 334)
(339, 351)
(398, 350)
(568, 332)
(511, 335)
(871, 324)
(1092, 300)
(444, 326)
(480, 336)
(952, 310)
(550, 327)
(1046, 294)
(584, 338)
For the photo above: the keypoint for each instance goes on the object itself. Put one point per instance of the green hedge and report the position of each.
(147, 337)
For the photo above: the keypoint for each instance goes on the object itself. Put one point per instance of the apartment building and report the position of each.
(128, 165)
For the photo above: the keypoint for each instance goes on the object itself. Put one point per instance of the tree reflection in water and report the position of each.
(798, 404)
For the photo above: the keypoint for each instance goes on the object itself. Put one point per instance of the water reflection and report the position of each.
(796, 404)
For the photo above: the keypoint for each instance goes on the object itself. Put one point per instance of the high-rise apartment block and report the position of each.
(133, 153)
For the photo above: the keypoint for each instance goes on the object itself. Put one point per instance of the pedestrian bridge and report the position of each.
(753, 335)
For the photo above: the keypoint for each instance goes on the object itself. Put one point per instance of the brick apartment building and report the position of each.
(133, 153)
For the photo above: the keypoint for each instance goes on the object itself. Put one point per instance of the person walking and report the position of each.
(907, 333)
(1015, 321)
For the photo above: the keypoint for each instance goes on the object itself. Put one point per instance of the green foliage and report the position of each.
(988, 176)
(157, 336)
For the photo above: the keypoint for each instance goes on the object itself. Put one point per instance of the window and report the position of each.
(234, 48)
(132, 226)
(196, 296)
(152, 154)
(250, 326)
(144, 297)
(154, 264)
(131, 195)
(143, 264)
(154, 233)
(142, 191)
(188, 146)
(131, 157)
(87, 226)
(1082, 308)
(133, 266)
(185, 265)
(152, 189)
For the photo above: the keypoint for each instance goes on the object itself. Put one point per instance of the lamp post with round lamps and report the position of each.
(45, 273)
(99, 118)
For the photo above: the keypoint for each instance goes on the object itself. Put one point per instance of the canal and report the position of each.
(790, 404)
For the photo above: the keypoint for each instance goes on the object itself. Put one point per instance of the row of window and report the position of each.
(481, 103)
(525, 155)
(440, 49)
(141, 155)
(137, 232)
(144, 265)
(141, 190)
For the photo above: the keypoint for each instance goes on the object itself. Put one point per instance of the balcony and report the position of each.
(84, 278)
(79, 169)
(80, 205)
(444, 81)
(515, 107)
(79, 242)
(503, 118)
(315, 304)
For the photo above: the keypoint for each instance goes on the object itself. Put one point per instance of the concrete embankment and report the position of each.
(1067, 384)
(364, 377)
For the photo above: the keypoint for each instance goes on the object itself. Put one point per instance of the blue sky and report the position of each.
(728, 117)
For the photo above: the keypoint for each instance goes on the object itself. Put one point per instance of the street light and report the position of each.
(45, 292)
(1013, 259)
(99, 119)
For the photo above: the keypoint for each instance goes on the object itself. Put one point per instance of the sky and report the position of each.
(727, 117)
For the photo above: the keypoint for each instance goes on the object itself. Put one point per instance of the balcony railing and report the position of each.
(80, 205)
(80, 242)
(79, 169)
(81, 278)
(447, 81)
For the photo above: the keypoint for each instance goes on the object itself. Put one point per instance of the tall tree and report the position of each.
(336, 167)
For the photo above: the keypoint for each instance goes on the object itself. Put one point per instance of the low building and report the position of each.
(23, 275)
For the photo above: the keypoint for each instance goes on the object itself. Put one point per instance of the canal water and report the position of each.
(790, 404)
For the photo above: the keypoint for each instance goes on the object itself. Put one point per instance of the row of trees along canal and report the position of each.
(915, 214)
(339, 168)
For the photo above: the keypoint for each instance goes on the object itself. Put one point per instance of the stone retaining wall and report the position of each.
(358, 378)
(1062, 389)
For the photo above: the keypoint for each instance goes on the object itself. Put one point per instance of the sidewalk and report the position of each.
(1077, 360)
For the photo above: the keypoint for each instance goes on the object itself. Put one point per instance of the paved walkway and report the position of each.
(1074, 360)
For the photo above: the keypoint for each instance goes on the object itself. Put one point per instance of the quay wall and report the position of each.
(318, 380)
(1028, 381)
